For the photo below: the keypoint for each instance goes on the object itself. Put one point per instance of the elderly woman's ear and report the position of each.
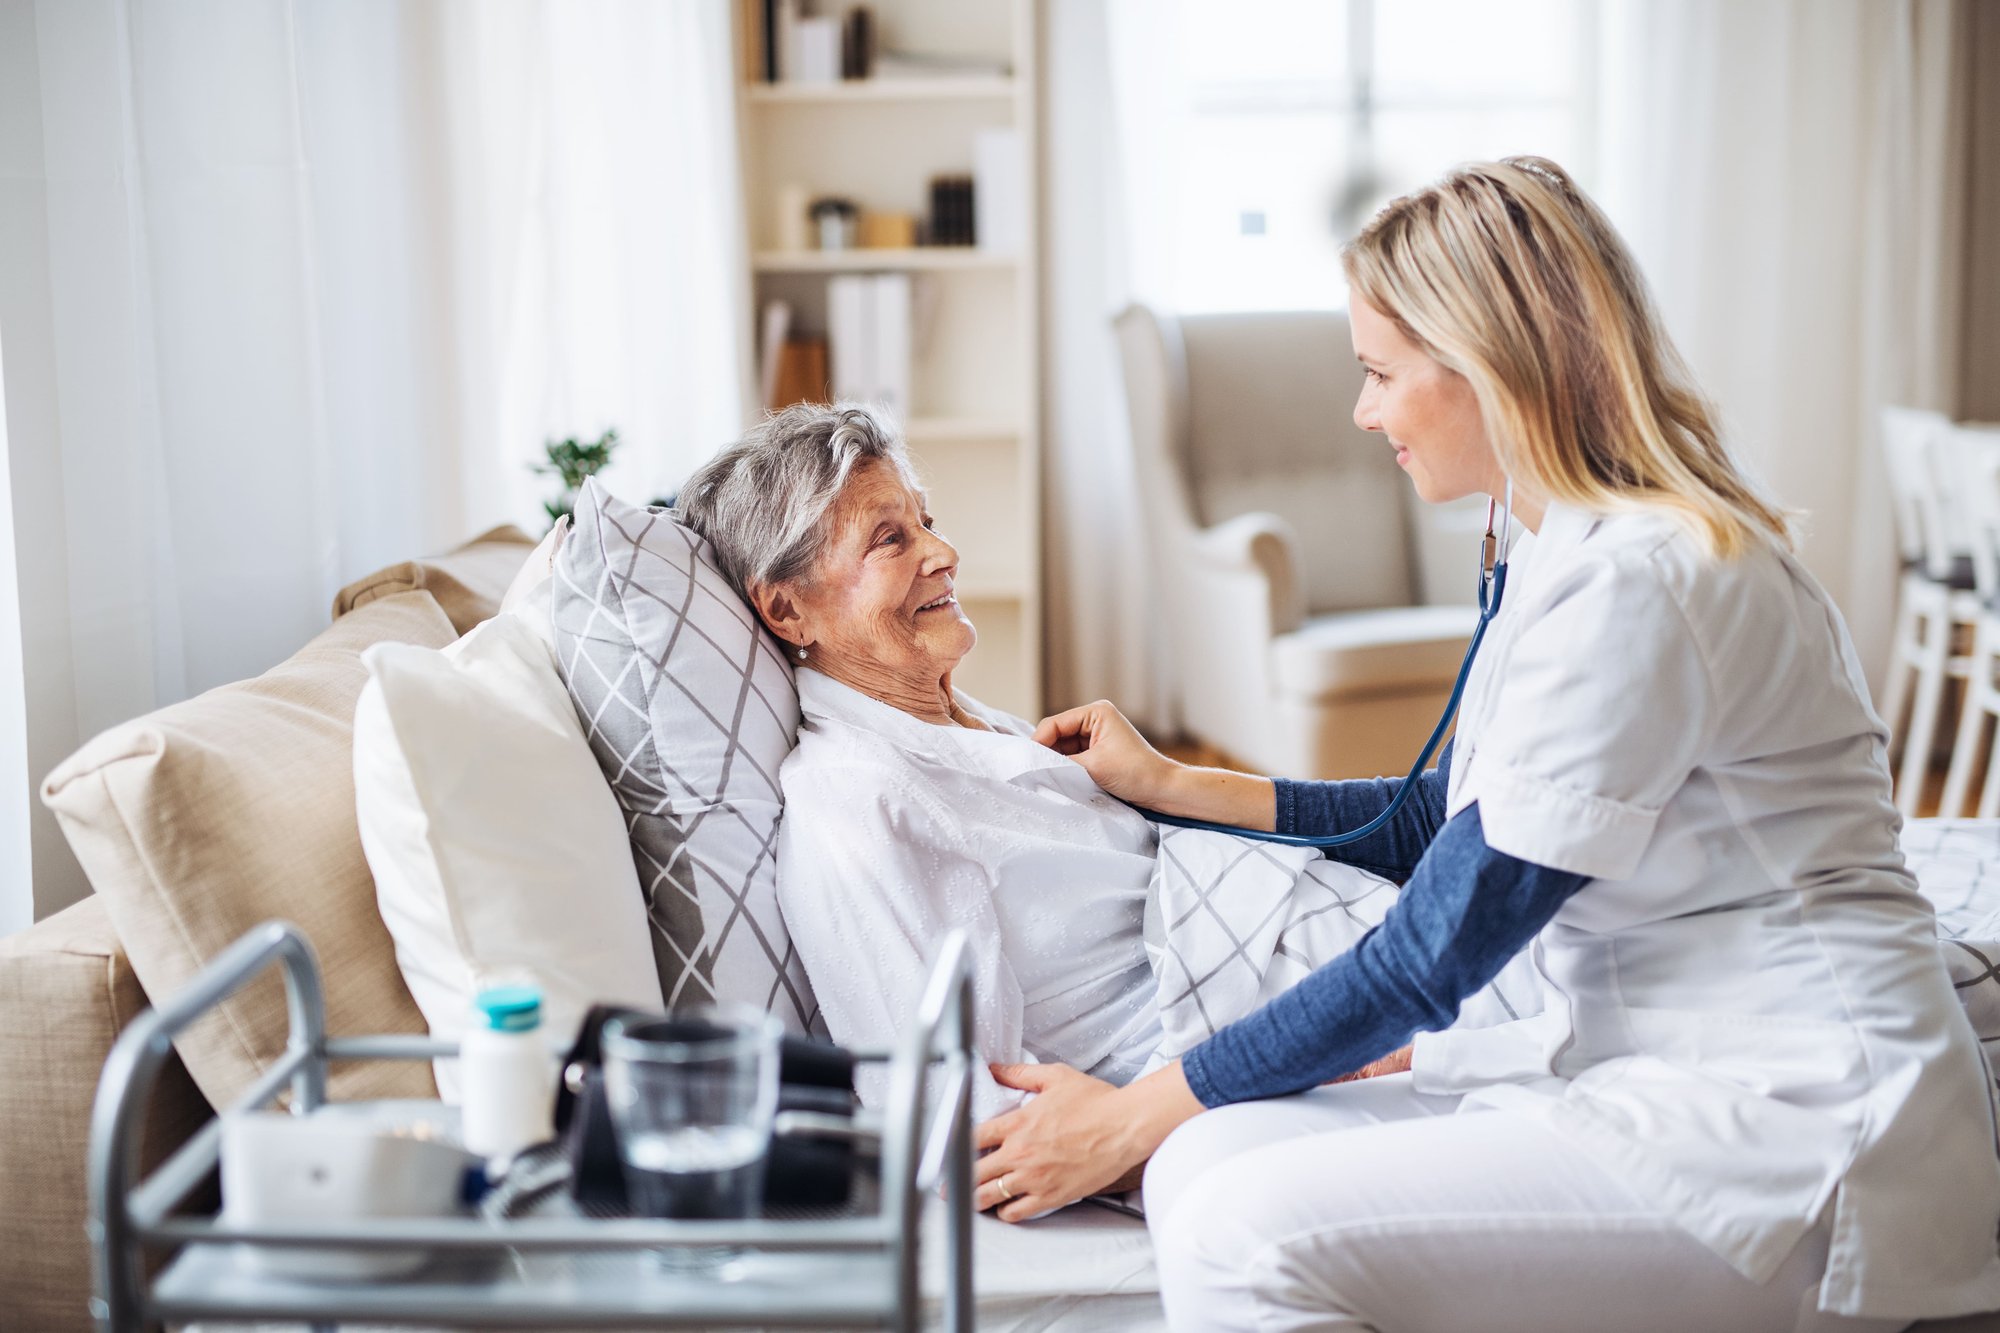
(780, 612)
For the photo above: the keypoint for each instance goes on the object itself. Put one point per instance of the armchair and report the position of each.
(1288, 546)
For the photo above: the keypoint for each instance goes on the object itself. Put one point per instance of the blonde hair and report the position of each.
(1507, 274)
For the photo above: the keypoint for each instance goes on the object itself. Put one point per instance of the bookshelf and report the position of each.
(971, 420)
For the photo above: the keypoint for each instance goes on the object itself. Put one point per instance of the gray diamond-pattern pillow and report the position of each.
(690, 708)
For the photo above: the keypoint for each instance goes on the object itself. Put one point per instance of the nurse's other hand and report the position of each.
(1111, 750)
(1078, 1136)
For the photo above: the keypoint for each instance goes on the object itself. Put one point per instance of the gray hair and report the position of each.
(763, 503)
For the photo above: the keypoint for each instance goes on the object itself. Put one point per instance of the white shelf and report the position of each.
(926, 258)
(983, 89)
(975, 384)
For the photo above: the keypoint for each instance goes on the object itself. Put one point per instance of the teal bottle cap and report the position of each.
(510, 1008)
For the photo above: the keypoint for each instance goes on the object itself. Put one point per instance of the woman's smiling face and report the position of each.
(878, 612)
(1429, 413)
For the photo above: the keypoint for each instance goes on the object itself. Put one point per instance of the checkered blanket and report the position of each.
(1232, 923)
(1957, 865)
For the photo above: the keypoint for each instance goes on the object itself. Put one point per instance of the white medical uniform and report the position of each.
(1748, 1035)
(897, 830)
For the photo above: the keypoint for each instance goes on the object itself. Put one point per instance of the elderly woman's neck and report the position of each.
(925, 697)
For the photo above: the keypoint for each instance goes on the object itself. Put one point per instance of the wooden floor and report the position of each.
(1186, 750)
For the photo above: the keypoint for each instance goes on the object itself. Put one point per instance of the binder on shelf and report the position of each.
(815, 51)
(777, 323)
(868, 318)
(891, 293)
(802, 376)
(998, 191)
(848, 336)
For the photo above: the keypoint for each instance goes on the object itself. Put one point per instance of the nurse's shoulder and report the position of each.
(1768, 638)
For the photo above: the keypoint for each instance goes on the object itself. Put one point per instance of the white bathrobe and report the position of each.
(896, 830)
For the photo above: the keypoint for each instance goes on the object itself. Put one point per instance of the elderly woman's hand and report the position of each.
(1075, 1137)
(1118, 758)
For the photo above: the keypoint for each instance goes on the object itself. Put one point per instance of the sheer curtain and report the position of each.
(292, 290)
(1103, 638)
(1791, 174)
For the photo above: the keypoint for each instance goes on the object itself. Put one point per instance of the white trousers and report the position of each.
(1370, 1206)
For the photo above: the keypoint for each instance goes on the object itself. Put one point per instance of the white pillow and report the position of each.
(499, 853)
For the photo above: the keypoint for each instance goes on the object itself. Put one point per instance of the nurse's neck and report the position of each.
(1528, 508)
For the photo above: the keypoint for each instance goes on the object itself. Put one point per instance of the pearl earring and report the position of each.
(802, 652)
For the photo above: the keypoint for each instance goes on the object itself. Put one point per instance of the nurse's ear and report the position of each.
(778, 607)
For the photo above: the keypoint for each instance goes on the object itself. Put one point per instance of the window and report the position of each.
(1305, 116)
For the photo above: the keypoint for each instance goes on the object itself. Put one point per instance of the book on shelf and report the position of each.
(771, 345)
(801, 374)
(951, 220)
(868, 318)
(802, 46)
(998, 191)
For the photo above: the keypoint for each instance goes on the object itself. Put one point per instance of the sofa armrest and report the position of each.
(1262, 544)
(67, 991)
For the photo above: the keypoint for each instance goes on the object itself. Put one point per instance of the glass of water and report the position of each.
(692, 1096)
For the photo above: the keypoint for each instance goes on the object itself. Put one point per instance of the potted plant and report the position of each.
(572, 460)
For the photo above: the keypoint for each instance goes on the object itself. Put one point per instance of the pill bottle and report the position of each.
(507, 1074)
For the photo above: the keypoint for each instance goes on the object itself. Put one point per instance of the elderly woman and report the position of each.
(910, 807)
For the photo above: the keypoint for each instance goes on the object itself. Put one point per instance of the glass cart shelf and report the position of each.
(542, 1265)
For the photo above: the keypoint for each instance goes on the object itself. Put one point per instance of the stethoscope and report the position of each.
(1494, 548)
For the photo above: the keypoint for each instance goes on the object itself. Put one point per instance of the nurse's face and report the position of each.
(879, 612)
(1427, 412)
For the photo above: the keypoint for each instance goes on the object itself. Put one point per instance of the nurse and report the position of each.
(1750, 1100)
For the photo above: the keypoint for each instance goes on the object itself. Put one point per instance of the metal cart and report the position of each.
(857, 1270)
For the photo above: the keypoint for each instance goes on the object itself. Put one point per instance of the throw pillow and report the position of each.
(499, 854)
(690, 707)
(201, 820)
(466, 582)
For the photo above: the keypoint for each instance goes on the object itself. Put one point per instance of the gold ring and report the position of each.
(1005, 1193)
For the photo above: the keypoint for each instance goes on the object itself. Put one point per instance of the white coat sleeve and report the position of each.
(1603, 708)
(870, 880)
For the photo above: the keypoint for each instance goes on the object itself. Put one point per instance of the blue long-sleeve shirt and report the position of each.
(1464, 912)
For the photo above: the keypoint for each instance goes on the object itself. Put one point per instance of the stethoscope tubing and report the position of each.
(1492, 587)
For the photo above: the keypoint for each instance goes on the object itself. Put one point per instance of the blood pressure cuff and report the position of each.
(799, 1173)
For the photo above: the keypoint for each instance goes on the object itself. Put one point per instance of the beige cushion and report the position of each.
(203, 819)
(1409, 648)
(66, 991)
(468, 583)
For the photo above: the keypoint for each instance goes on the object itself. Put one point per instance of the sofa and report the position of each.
(194, 823)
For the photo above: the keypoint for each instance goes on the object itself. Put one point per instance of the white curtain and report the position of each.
(291, 290)
(1104, 78)
(1791, 176)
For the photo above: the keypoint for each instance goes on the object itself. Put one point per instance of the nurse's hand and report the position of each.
(1113, 752)
(1077, 1136)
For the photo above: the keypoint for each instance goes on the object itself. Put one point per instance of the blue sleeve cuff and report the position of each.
(1288, 805)
(1194, 1068)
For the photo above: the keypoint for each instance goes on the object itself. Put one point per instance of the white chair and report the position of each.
(1974, 452)
(1936, 605)
(1284, 537)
